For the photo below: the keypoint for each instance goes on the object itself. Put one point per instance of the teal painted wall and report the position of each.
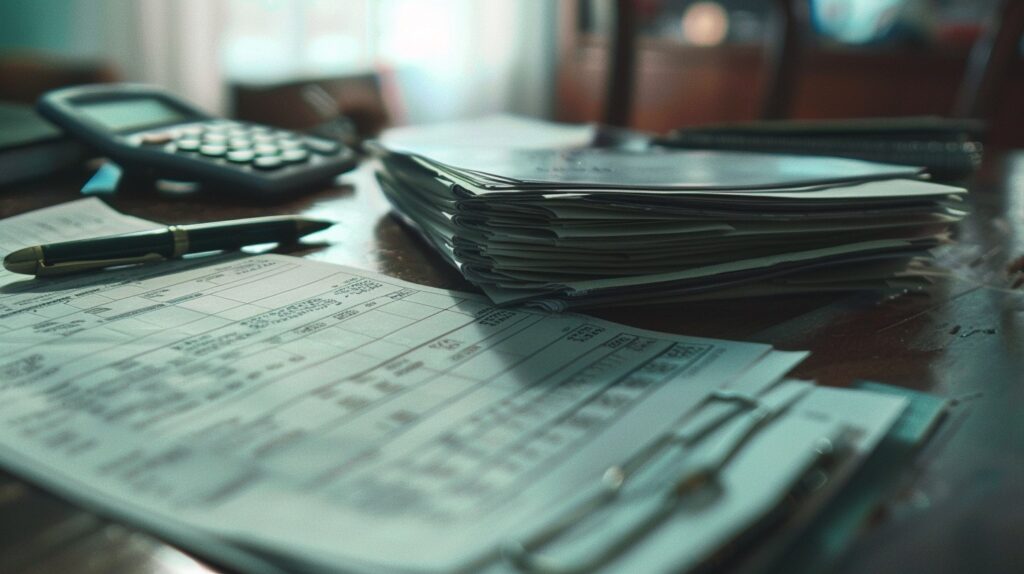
(35, 24)
(54, 26)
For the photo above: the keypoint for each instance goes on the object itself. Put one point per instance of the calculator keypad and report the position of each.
(260, 147)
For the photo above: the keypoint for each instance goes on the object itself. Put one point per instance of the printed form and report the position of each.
(334, 418)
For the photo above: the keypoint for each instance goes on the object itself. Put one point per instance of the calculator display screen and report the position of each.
(127, 115)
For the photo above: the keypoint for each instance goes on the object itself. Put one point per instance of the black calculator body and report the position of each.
(152, 134)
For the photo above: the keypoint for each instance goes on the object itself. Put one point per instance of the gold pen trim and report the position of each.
(37, 251)
(180, 241)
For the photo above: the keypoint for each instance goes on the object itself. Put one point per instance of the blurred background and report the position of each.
(392, 62)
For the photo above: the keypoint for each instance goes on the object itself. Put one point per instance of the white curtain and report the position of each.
(447, 58)
(461, 58)
(172, 43)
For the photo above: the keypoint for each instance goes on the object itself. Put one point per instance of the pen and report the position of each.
(157, 245)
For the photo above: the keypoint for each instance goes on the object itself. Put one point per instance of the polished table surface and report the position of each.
(960, 504)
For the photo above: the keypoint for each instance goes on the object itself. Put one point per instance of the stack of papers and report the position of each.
(282, 415)
(567, 225)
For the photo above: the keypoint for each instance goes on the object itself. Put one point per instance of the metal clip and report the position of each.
(734, 430)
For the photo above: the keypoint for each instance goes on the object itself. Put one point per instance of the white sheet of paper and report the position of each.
(760, 477)
(65, 222)
(490, 170)
(501, 130)
(334, 417)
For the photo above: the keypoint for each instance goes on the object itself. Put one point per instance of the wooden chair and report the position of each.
(989, 64)
(24, 77)
(786, 33)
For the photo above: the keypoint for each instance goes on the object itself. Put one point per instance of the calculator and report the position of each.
(152, 134)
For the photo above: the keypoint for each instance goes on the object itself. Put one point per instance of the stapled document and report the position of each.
(323, 418)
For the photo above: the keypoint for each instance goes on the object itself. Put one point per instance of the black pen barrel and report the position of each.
(219, 236)
(227, 236)
(158, 241)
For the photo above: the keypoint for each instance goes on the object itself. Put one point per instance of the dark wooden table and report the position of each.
(961, 506)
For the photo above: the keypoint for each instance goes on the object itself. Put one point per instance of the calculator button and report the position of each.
(268, 162)
(240, 143)
(188, 144)
(289, 143)
(266, 149)
(194, 131)
(262, 138)
(322, 146)
(157, 138)
(294, 155)
(214, 137)
(241, 156)
(213, 150)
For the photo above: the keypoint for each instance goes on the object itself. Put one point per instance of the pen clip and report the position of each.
(68, 267)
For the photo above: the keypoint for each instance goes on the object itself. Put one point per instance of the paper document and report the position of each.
(501, 129)
(336, 419)
(66, 222)
(706, 224)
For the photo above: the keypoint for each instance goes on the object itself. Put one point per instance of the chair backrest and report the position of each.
(26, 76)
(782, 51)
(621, 74)
(782, 58)
(990, 62)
